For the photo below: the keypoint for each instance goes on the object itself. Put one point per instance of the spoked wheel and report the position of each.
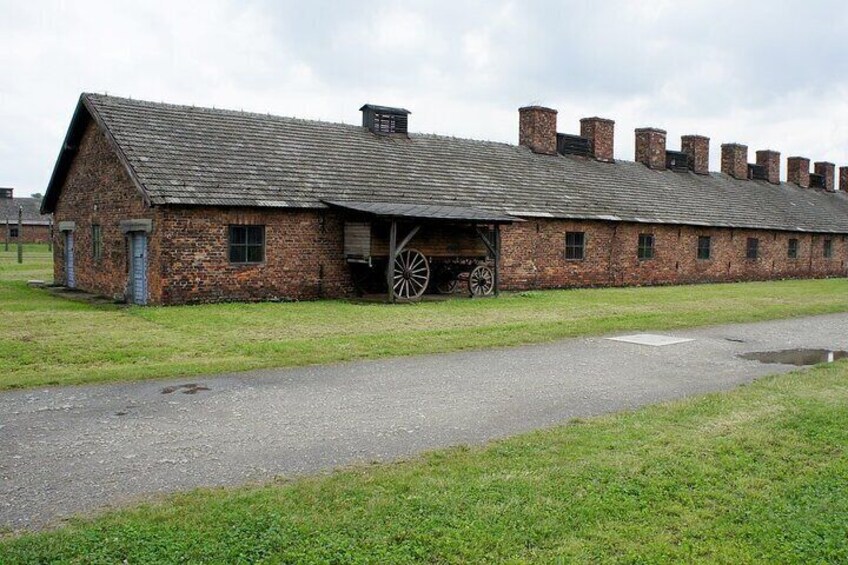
(412, 274)
(481, 281)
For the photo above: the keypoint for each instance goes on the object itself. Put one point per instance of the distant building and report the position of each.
(36, 227)
(165, 204)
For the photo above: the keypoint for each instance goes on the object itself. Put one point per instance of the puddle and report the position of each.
(799, 357)
(734, 339)
(191, 388)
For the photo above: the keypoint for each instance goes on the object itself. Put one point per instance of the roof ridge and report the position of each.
(94, 97)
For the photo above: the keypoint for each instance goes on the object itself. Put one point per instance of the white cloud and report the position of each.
(734, 72)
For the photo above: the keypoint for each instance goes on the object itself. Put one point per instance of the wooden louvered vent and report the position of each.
(677, 161)
(385, 120)
(757, 172)
(568, 144)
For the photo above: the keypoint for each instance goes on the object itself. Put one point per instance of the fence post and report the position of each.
(20, 234)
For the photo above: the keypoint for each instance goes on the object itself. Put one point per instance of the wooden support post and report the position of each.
(20, 234)
(50, 236)
(497, 236)
(7, 234)
(390, 268)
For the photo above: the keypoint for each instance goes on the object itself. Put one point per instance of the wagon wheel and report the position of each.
(411, 274)
(481, 281)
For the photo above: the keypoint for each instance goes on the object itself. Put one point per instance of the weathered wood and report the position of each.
(497, 268)
(357, 240)
(390, 267)
(402, 245)
(434, 241)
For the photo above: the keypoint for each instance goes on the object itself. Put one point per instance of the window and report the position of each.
(574, 245)
(96, 242)
(704, 246)
(645, 249)
(247, 244)
(828, 249)
(13, 232)
(792, 250)
(752, 249)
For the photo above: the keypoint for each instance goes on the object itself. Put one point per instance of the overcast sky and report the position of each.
(769, 74)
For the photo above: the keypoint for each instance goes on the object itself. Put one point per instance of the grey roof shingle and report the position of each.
(199, 156)
(31, 216)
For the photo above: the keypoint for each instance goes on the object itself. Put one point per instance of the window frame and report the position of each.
(752, 248)
(793, 246)
(827, 248)
(709, 248)
(231, 229)
(14, 232)
(575, 249)
(96, 242)
(645, 251)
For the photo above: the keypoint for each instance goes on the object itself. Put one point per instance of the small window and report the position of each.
(828, 249)
(792, 250)
(574, 245)
(704, 246)
(247, 244)
(13, 232)
(96, 242)
(645, 249)
(752, 249)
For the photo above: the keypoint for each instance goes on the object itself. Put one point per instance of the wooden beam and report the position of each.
(402, 245)
(390, 268)
(497, 237)
(489, 245)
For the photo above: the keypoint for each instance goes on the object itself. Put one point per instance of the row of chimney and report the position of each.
(538, 131)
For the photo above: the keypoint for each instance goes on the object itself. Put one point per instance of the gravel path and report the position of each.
(67, 450)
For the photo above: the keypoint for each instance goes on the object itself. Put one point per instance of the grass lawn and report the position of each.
(753, 475)
(47, 340)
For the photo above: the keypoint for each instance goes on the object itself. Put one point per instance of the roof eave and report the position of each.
(85, 110)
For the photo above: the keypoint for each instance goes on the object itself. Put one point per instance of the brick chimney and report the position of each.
(600, 133)
(537, 129)
(650, 147)
(697, 147)
(798, 171)
(843, 179)
(734, 160)
(828, 171)
(770, 160)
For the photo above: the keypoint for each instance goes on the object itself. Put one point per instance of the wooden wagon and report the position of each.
(408, 250)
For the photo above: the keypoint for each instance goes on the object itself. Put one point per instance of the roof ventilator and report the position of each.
(816, 181)
(385, 120)
(677, 161)
(568, 144)
(757, 172)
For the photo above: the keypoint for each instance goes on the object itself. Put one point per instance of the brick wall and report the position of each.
(533, 255)
(31, 233)
(303, 256)
(98, 190)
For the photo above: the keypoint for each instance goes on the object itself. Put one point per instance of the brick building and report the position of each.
(165, 204)
(35, 227)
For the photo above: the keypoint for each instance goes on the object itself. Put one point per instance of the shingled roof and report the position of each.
(31, 216)
(181, 155)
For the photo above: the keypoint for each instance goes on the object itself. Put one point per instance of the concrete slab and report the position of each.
(653, 340)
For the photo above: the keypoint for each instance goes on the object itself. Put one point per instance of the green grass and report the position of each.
(37, 264)
(47, 340)
(753, 475)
